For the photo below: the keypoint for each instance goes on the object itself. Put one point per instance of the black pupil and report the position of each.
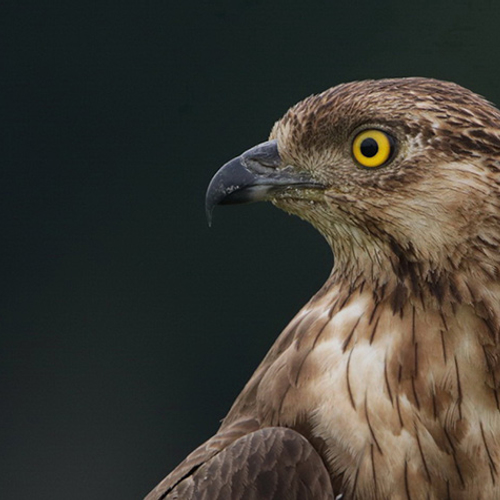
(369, 147)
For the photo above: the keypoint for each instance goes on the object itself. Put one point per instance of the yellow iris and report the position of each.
(372, 148)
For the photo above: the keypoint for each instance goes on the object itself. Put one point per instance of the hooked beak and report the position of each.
(256, 175)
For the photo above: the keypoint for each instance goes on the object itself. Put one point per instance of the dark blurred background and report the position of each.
(127, 326)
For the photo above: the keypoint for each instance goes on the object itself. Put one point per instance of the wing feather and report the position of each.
(274, 463)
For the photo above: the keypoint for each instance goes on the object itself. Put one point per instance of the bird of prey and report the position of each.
(385, 385)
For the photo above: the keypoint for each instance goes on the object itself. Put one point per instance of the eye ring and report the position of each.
(372, 148)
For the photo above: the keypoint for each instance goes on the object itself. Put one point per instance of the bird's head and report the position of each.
(401, 176)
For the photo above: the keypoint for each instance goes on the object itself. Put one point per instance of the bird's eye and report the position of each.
(372, 148)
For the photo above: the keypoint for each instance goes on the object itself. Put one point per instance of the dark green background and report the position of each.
(127, 326)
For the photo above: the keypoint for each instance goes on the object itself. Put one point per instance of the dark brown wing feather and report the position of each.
(274, 463)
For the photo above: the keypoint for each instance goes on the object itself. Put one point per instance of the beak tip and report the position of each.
(212, 198)
(236, 182)
(209, 214)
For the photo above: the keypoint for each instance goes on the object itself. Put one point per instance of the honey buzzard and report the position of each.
(385, 385)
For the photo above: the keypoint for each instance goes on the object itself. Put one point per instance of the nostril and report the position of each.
(259, 166)
(263, 155)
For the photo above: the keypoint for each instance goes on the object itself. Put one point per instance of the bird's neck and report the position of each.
(462, 276)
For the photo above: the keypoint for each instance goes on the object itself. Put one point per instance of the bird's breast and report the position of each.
(401, 401)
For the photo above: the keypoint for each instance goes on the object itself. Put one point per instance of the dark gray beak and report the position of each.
(253, 176)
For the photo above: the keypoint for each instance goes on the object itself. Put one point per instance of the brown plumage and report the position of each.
(387, 380)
